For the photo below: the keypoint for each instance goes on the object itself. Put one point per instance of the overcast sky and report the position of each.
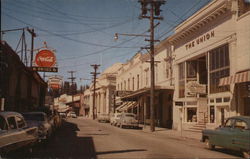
(82, 31)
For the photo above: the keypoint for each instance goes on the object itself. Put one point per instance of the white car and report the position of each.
(72, 115)
(128, 120)
(114, 117)
(103, 118)
(40, 120)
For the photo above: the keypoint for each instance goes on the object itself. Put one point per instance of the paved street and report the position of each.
(86, 138)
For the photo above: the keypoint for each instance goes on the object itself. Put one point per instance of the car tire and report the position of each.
(209, 145)
(246, 154)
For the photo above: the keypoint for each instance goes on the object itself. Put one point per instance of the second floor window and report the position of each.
(219, 68)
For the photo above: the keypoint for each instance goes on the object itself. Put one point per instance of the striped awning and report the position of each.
(237, 78)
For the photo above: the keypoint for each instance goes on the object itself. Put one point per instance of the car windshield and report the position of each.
(130, 115)
(35, 117)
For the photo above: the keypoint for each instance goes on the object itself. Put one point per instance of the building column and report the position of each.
(107, 105)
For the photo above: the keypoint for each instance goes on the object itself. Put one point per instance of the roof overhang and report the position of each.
(200, 19)
(134, 95)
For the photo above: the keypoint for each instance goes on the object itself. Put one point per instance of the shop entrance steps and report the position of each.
(197, 127)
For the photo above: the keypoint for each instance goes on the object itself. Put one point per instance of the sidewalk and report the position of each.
(174, 133)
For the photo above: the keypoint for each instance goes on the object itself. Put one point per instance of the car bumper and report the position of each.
(131, 124)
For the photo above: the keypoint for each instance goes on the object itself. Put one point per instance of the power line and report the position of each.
(46, 10)
(70, 22)
(67, 38)
(182, 17)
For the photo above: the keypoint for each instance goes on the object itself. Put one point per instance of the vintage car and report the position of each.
(72, 115)
(234, 134)
(114, 117)
(128, 120)
(14, 133)
(40, 120)
(103, 118)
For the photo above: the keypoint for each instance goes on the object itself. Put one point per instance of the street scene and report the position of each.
(125, 79)
(86, 138)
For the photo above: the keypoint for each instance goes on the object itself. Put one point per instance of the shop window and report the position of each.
(192, 114)
(182, 80)
(211, 100)
(219, 68)
(226, 99)
(191, 69)
(218, 100)
(212, 114)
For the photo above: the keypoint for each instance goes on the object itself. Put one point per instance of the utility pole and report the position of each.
(154, 14)
(33, 34)
(95, 66)
(72, 78)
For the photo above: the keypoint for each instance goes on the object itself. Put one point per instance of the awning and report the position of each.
(237, 78)
(121, 106)
(132, 96)
(128, 106)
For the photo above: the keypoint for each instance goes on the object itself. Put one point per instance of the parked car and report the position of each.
(103, 118)
(72, 115)
(14, 133)
(62, 115)
(114, 117)
(234, 134)
(128, 120)
(40, 120)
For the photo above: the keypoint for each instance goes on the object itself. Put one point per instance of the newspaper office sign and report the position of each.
(45, 61)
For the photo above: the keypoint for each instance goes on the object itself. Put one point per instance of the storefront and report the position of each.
(208, 47)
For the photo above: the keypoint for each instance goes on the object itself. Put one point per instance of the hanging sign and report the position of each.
(55, 82)
(193, 87)
(45, 61)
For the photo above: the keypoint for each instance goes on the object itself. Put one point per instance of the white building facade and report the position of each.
(134, 81)
(212, 63)
(104, 93)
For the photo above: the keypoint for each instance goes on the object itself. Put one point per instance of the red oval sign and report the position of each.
(45, 58)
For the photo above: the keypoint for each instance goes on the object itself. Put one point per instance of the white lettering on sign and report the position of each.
(200, 40)
(46, 59)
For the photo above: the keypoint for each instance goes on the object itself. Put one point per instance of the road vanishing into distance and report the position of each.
(86, 138)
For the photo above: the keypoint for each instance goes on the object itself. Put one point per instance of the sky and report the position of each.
(82, 31)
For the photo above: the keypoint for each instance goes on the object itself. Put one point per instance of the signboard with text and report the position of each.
(45, 61)
(193, 87)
